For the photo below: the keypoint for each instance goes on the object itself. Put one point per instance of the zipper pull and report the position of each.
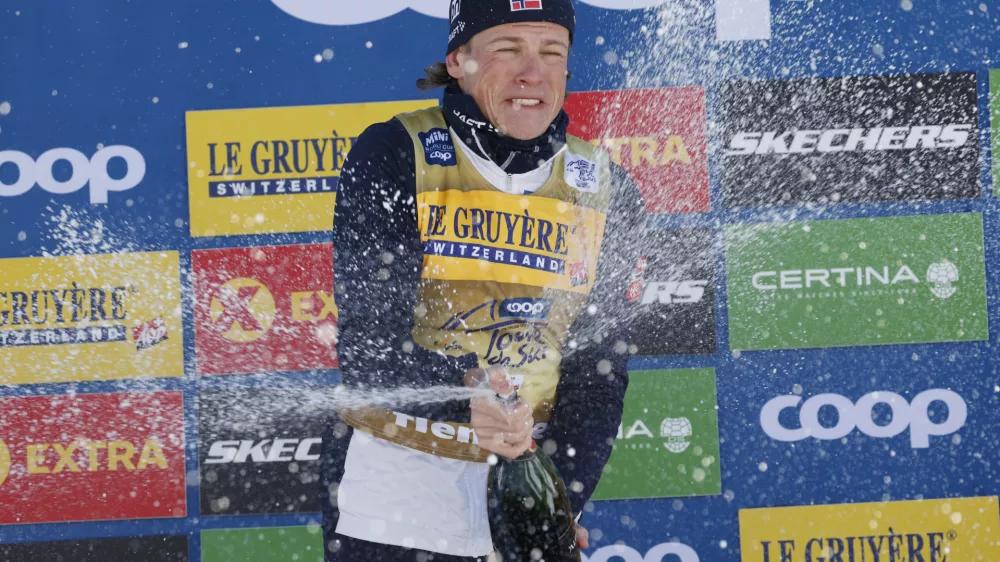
(510, 183)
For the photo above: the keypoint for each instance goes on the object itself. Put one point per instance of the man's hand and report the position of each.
(582, 537)
(501, 429)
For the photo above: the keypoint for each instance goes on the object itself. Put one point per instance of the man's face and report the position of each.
(516, 72)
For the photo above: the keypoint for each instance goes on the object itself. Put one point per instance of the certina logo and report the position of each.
(922, 137)
(526, 308)
(94, 171)
(676, 433)
(860, 415)
(77, 315)
(264, 451)
(581, 173)
(663, 552)
(350, 12)
(674, 292)
(941, 275)
(438, 148)
(83, 455)
(243, 309)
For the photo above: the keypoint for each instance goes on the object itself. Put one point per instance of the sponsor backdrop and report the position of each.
(814, 373)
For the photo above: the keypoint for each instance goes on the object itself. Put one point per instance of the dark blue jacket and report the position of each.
(377, 263)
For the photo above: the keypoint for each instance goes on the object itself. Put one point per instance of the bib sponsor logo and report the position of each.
(507, 238)
(582, 173)
(92, 171)
(861, 416)
(526, 308)
(438, 148)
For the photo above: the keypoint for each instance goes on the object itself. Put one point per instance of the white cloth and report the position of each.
(395, 495)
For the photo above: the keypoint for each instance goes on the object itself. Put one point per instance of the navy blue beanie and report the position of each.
(469, 17)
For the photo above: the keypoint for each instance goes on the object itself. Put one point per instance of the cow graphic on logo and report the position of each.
(634, 291)
(578, 274)
(581, 173)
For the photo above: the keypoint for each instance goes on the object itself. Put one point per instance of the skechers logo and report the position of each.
(438, 148)
(929, 137)
(529, 309)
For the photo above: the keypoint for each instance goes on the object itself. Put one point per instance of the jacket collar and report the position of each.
(513, 156)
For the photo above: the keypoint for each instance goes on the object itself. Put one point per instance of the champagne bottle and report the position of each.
(529, 510)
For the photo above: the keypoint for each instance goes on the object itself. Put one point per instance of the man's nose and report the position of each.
(531, 71)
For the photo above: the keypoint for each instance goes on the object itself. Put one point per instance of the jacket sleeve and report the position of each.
(591, 389)
(378, 259)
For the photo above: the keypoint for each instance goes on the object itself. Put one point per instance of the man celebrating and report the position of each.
(477, 242)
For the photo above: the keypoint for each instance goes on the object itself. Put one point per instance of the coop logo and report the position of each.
(438, 148)
(939, 275)
(663, 552)
(93, 171)
(860, 415)
(918, 137)
(525, 308)
(674, 292)
(264, 451)
(675, 433)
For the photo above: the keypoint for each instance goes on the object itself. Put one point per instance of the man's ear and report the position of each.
(454, 65)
